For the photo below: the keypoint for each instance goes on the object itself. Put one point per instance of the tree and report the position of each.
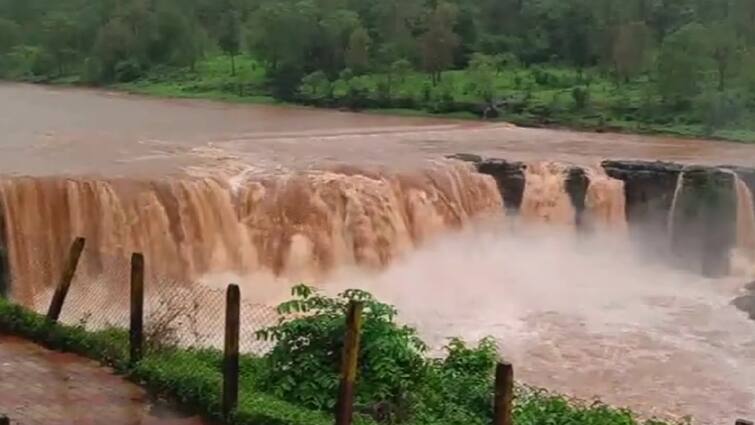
(630, 49)
(9, 35)
(401, 68)
(358, 52)
(724, 48)
(115, 43)
(576, 34)
(396, 21)
(316, 84)
(178, 40)
(483, 71)
(230, 37)
(59, 39)
(439, 41)
(680, 65)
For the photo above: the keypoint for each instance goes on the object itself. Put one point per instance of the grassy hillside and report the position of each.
(537, 96)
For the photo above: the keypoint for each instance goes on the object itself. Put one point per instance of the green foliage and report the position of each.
(664, 55)
(358, 50)
(396, 383)
(191, 377)
(581, 96)
(305, 363)
(681, 67)
(719, 109)
(316, 84)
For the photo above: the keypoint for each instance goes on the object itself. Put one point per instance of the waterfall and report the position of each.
(299, 226)
(606, 202)
(674, 204)
(745, 251)
(545, 197)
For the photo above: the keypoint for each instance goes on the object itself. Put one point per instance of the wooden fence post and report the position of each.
(345, 403)
(231, 351)
(5, 273)
(56, 305)
(504, 394)
(136, 330)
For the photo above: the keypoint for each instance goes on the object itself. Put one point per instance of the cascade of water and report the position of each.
(674, 203)
(545, 198)
(745, 251)
(606, 202)
(297, 226)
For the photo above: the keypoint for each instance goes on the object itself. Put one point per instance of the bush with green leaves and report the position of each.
(305, 362)
(396, 381)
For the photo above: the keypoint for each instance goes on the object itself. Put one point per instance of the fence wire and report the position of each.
(177, 311)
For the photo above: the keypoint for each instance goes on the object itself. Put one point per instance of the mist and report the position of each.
(582, 315)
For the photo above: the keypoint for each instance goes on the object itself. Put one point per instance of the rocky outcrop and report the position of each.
(746, 174)
(509, 176)
(576, 185)
(649, 189)
(704, 220)
(702, 226)
(746, 302)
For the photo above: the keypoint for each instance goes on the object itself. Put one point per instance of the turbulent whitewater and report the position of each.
(297, 226)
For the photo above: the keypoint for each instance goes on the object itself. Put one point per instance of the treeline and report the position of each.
(681, 49)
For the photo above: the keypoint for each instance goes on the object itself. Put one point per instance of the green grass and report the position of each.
(540, 96)
(193, 377)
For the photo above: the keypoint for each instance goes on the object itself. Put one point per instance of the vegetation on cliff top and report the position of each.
(296, 383)
(681, 66)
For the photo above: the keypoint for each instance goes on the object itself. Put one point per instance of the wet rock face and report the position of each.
(509, 176)
(746, 174)
(576, 185)
(746, 302)
(687, 215)
(704, 220)
(649, 188)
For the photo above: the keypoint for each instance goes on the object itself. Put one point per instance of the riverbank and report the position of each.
(444, 391)
(538, 97)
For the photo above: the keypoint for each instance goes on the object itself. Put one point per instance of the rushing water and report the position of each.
(273, 195)
(55, 131)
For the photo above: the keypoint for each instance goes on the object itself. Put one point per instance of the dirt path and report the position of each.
(39, 386)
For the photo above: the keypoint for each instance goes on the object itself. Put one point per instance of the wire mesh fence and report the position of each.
(177, 312)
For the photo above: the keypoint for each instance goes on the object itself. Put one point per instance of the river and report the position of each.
(53, 131)
(269, 196)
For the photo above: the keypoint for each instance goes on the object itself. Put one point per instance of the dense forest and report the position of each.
(686, 66)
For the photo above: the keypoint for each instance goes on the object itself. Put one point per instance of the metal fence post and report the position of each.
(61, 291)
(349, 363)
(136, 330)
(504, 394)
(231, 350)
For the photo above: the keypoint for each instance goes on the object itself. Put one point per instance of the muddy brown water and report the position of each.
(52, 131)
(218, 192)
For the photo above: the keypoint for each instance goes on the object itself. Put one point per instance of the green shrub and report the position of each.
(304, 365)
(396, 383)
(581, 96)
